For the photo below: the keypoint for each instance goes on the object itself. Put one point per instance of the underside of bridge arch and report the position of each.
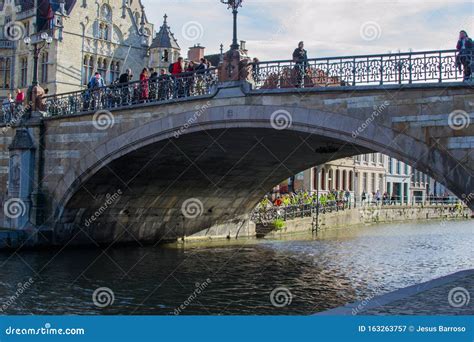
(140, 196)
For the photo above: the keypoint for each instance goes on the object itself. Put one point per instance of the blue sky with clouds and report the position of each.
(272, 28)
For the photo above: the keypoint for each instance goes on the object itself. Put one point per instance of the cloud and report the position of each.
(272, 28)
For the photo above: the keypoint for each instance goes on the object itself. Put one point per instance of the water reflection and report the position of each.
(320, 273)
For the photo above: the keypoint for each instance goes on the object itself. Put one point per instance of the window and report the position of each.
(104, 31)
(374, 158)
(390, 165)
(364, 181)
(344, 180)
(44, 68)
(399, 167)
(87, 69)
(351, 177)
(322, 185)
(331, 180)
(106, 13)
(374, 184)
(406, 169)
(114, 71)
(365, 157)
(102, 67)
(24, 72)
(5, 70)
(166, 56)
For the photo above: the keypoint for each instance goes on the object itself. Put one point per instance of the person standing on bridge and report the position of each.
(300, 57)
(144, 89)
(465, 49)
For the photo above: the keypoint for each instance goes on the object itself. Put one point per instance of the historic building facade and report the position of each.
(369, 173)
(107, 36)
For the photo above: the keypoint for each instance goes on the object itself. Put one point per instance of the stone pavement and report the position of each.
(449, 295)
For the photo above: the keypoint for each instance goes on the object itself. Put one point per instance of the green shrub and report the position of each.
(279, 224)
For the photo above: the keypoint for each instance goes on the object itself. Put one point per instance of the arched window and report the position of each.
(3, 67)
(322, 184)
(114, 71)
(331, 180)
(44, 68)
(102, 67)
(351, 181)
(24, 72)
(104, 31)
(166, 56)
(91, 68)
(106, 13)
(87, 69)
(344, 180)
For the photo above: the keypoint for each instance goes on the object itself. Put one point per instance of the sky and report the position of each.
(272, 28)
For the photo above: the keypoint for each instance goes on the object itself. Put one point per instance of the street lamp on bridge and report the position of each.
(44, 41)
(234, 4)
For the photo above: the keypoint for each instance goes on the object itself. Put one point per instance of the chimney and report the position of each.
(196, 52)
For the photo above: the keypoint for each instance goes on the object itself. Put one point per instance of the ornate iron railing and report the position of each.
(161, 89)
(393, 68)
(290, 212)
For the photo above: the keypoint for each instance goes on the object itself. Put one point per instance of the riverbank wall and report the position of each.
(334, 220)
(246, 229)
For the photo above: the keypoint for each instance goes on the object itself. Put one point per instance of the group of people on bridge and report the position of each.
(182, 79)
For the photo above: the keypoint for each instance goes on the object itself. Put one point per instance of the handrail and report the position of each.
(363, 56)
(153, 90)
(382, 69)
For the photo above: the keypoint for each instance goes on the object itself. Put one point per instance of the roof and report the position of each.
(165, 38)
(214, 59)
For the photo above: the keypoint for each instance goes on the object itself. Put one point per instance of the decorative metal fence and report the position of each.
(270, 214)
(161, 89)
(393, 68)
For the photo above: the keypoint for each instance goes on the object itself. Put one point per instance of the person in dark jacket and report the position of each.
(126, 76)
(300, 57)
(465, 56)
(165, 86)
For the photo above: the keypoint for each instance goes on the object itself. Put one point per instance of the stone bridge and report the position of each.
(162, 171)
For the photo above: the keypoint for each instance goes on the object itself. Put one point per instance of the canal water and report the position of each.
(307, 275)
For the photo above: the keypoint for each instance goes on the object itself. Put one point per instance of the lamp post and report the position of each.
(44, 41)
(234, 4)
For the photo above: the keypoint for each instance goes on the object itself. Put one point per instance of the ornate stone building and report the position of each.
(107, 36)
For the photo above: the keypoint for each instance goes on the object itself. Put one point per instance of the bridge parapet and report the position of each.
(354, 72)
(393, 68)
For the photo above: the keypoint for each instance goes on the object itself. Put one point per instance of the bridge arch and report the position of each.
(235, 154)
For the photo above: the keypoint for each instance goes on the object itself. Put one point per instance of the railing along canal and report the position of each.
(290, 212)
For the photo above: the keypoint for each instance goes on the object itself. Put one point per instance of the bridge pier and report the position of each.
(17, 207)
